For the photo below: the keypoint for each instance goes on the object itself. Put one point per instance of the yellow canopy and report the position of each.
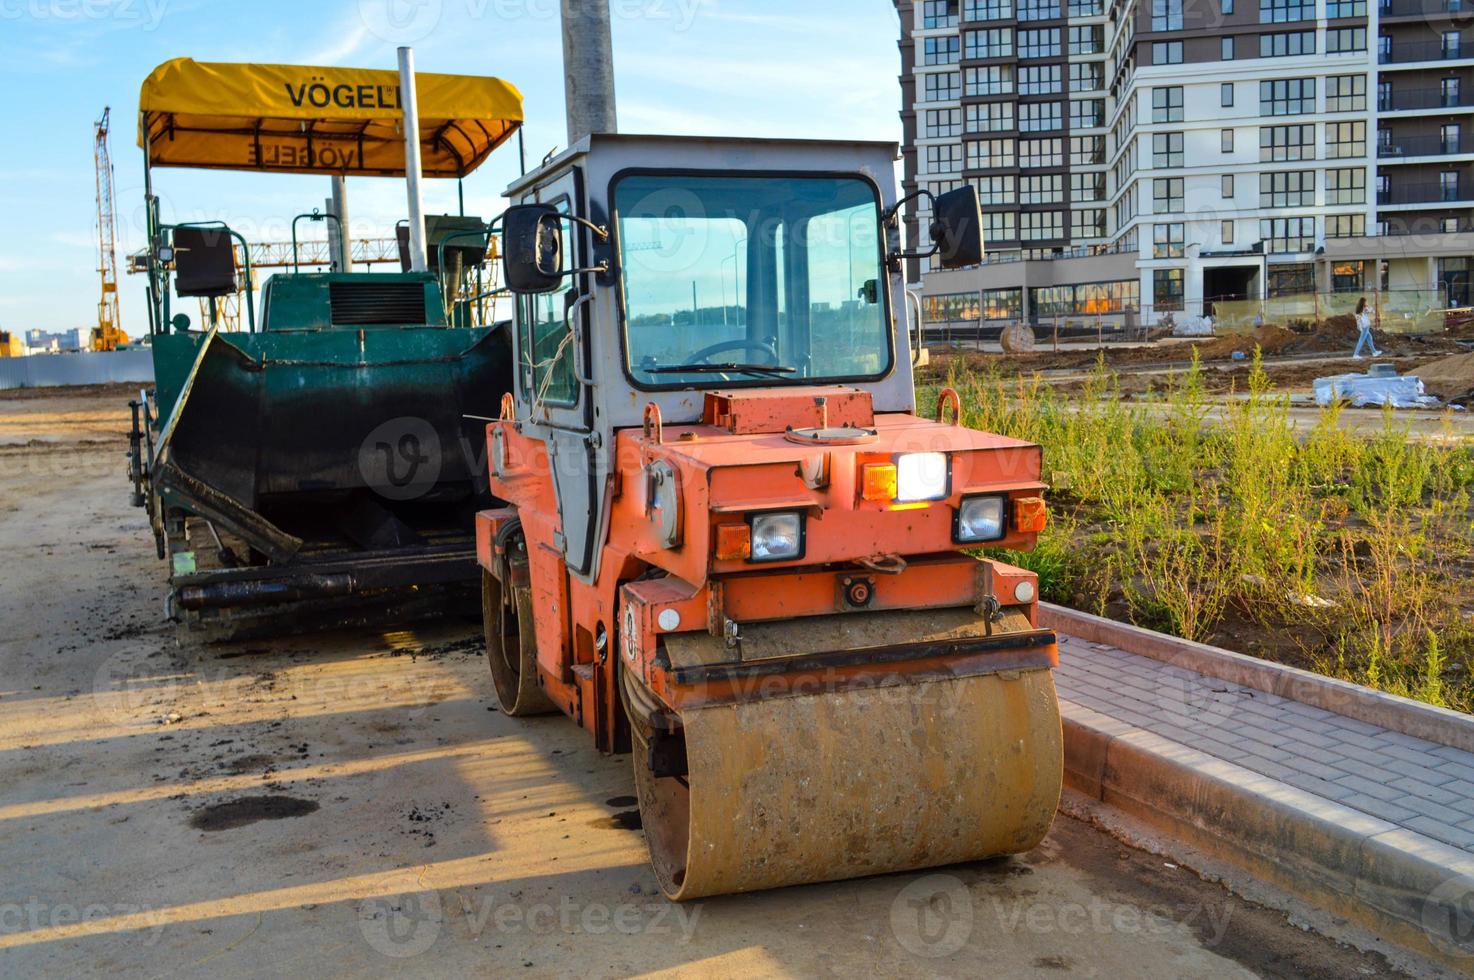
(294, 119)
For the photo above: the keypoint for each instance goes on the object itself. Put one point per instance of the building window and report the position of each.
(1225, 140)
(1000, 226)
(1167, 104)
(1039, 80)
(1167, 240)
(1039, 225)
(989, 80)
(1287, 189)
(1167, 53)
(1002, 304)
(990, 117)
(1285, 11)
(1345, 8)
(1450, 44)
(1291, 280)
(1225, 187)
(1041, 189)
(952, 307)
(1225, 49)
(1038, 9)
(1287, 143)
(1286, 45)
(1346, 93)
(1286, 96)
(1166, 15)
(1038, 154)
(1089, 39)
(1085, 8)
(994, 42)
(990, 154)
(1288, 234)
(1039, 43)
(1346, 186)
(1342, 40)
(1087, 76)
(1086, 151)
(995, 190)
(942, 123)
(938, 13)
(1225, 95)
(942, 50)
(989, 9)
(1448, 137)
(942, 86)
(1167, 195)
(1087, 113)
(1225, 7)
(1167, 290)
(1448, 185)
(1087, 187)
(1346, 139)
(1166, 150)
(1346, 225)
(1089, 223)
(1225, 232)
(1449, 93)
(944, 159)
(1038, 117)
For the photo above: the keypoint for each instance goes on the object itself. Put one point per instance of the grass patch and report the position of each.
(1218, 520)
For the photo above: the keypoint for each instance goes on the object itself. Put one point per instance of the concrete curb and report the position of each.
(1351, 700)
(1405, 888)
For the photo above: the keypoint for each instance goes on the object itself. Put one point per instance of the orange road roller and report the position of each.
(730, 545)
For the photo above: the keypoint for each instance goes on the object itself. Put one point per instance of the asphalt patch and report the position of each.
(249, 810)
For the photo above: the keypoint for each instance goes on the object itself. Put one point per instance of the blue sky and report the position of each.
(816, 68)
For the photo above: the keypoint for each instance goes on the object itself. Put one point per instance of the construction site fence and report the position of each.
(77, 368)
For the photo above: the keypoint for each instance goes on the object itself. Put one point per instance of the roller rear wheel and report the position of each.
(511, 648)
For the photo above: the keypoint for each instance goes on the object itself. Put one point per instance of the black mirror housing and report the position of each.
(957, 228)
(532, 248)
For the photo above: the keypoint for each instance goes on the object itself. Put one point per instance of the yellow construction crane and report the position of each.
(108, 334)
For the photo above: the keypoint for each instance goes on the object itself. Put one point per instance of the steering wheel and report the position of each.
(742, 343)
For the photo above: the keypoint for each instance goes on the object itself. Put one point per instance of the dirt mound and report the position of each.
(1269, 338)
(1450, 378)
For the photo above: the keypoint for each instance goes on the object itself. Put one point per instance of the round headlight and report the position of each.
(981, 519)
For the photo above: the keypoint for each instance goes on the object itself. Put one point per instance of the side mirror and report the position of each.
(957, 228)
(532, 248)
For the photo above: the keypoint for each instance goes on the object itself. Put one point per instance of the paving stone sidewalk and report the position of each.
(1419, 785)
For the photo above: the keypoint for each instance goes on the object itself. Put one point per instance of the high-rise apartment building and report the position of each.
(1164, 155)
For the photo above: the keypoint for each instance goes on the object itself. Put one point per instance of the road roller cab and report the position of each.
(731, 543)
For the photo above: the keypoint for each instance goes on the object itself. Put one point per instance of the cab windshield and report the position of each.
(759, 280)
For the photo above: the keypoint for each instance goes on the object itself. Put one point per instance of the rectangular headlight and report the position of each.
(921, 476)
(777, 536)
(980, 519)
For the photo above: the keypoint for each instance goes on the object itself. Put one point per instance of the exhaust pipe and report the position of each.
(588, 68)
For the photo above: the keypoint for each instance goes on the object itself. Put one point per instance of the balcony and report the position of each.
(1425, 8)
(1425, 193)
(1413, 52)
(1424, 146)
(1424, 98)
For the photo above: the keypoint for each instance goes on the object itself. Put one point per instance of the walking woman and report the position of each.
(1364, 326)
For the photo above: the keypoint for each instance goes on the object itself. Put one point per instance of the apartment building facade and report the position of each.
(1147, 157)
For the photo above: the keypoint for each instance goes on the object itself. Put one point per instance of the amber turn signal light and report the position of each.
(878, 481)
(734, 541)
(1030, 515)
